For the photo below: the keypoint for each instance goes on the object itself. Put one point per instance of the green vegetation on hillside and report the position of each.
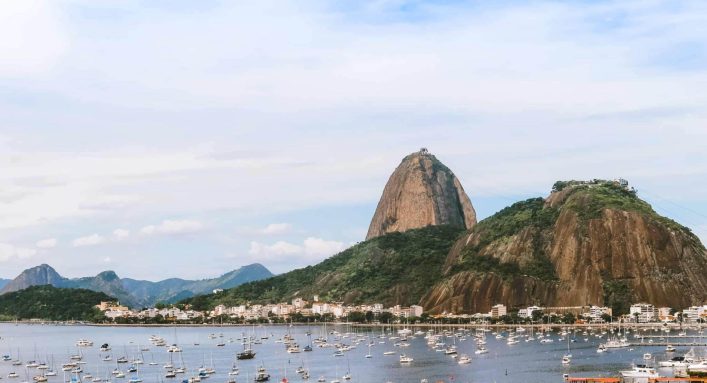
(529, 215)
(394, 268)
(588, 199)
(535, 219)
(52, 303)
(617, 295)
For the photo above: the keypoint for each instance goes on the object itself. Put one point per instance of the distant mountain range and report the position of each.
(3, 282)
(132, 292)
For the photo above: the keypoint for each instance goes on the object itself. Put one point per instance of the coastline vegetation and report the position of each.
(52, 303)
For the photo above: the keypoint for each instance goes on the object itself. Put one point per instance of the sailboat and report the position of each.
(247, 353)
(347, 375)
(567, 358)
(135, 378)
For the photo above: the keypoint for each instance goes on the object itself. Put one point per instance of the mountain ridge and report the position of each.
(132, 292)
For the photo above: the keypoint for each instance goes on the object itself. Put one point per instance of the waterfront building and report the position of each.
(498, 310)
(643, 312)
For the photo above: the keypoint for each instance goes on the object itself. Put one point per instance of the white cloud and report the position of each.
(319, 247)
(46, 243)
(311, 247)
(282, 256)
(277, 228)
(276, 249)
(173, 227)
(89, 240)
(121, 234)
(32, 37)
(8, 252)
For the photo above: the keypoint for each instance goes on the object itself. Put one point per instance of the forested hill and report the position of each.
(396, 268)
(51, 303)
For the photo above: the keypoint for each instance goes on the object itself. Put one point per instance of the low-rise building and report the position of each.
(693, 313)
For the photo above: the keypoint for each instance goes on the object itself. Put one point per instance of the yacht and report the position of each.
(293, 349)
(246, 354)
(616, 343)
(677, 361)
(481, 350)
(84, 343)
(669, 348)
(405, 359)
(464, 359)
(640, 373)
(262, 375)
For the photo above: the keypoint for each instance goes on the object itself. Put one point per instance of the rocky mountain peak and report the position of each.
(38, 275)
(421, 192)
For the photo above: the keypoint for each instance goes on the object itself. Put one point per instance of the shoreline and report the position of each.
(671, 326)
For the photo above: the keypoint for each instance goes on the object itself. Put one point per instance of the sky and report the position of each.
(186, 139)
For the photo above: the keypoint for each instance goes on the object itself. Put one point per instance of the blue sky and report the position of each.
(186, 139)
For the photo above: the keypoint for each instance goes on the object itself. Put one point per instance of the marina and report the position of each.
(328, 353)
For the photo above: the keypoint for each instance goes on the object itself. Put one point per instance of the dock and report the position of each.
(651, 380)
(665, 344)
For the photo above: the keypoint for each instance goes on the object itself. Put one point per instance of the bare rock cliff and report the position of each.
(421, 192)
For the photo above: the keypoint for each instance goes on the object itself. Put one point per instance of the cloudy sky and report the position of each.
(183, 138)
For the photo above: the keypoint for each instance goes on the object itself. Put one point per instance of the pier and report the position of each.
(665, 344)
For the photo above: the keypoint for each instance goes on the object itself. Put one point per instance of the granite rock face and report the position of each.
(421, 192)
(584, 245)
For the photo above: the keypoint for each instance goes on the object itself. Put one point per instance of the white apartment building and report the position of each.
(528, 311)
(693, 313)
(646, 312)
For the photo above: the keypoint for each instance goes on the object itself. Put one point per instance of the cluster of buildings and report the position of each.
(113, 310)
(308, 309)
(646, 312)
(638, 313)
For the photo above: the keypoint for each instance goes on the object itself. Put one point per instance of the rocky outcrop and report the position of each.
(421, 192)
(584, 245)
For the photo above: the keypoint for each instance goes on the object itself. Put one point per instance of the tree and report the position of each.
(537, 315)
(569, 318)
(385, 317)
(357, 316)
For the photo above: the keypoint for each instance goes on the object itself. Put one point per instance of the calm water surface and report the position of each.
(523, 362)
